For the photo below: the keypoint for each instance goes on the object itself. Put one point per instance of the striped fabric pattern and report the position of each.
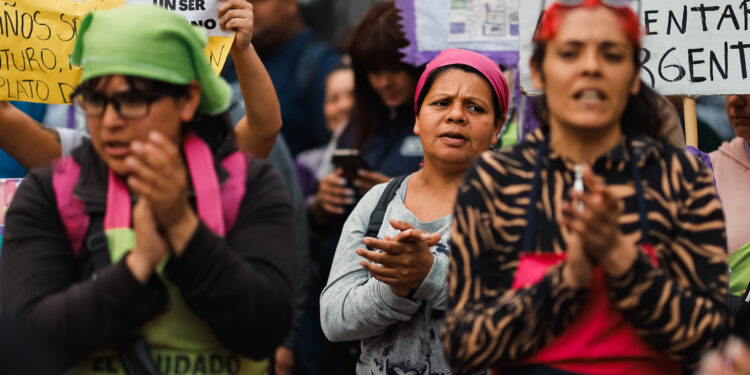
(679, 307)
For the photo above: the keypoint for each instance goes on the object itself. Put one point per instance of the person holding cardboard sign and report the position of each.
(379, 137)
(624, 272)
(34, 144)
(157, 247)
(257, 131)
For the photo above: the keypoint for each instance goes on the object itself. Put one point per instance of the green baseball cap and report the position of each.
(150, 42)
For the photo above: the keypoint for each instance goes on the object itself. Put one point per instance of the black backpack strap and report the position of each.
(136, 358)
(96, 242)
(378, 214)
(740, 309)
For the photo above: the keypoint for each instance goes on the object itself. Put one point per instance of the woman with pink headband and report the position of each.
(388, 282)
(592, 247)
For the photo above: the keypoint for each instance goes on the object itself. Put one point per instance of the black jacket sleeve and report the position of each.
(243, 286)
(41, 283)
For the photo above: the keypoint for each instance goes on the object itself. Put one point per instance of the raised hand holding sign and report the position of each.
(40, 35)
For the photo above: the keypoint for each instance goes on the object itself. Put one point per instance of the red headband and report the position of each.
(553, 16)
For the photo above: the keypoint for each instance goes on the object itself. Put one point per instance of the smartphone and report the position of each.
(578, 184)
(350, 161)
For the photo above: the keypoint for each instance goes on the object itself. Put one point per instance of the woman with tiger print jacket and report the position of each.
(626, 276)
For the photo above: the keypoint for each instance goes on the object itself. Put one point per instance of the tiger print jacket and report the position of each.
(679, 307)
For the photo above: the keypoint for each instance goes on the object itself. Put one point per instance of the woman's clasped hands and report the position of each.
(163, 219)
(405, 260)
(592, 234)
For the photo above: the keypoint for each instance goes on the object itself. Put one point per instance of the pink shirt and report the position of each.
(732, 174)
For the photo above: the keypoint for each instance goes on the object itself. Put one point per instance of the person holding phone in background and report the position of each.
(382, 117)
(313, 165)
(393, 297)
(381, 130)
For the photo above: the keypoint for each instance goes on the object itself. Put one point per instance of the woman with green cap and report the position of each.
(34, 144)
(156, 247)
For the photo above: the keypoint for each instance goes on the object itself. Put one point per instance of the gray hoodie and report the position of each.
(399, 335)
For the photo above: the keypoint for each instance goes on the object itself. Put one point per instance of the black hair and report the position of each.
(213, 129)
(375, 48)
(466, 68)
(639, 116)
(138, 85)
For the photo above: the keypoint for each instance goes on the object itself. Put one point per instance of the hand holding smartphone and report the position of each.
(350, 161)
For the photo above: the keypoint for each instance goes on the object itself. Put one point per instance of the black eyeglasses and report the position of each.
(131, 105)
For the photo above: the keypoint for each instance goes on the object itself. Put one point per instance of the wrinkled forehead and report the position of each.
(455, 79)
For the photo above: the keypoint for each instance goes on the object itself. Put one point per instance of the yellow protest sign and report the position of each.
(36, 40)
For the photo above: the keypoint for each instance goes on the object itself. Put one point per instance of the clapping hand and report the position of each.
(598, 225)
(158, 173)
(150, 245)
(405, 259)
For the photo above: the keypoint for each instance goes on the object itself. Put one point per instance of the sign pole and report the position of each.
(691, 122)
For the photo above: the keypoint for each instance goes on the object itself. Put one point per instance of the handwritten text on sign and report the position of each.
(199, 12)
(690, 47)
(36, 39)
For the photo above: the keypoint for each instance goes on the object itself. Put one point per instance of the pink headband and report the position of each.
(481, 63)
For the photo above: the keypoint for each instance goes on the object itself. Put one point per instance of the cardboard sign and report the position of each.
(199, 12)
(36, 39)
(690, 47)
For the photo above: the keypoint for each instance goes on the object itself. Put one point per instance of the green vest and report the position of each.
(739, 265)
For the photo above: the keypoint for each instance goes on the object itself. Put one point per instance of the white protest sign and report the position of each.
(483, 21)
(484, 25)
(690, 47)
(199, 12)
(529, 11)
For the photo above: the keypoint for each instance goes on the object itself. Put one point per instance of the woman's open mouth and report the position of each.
(590, 97)
(453, 138)
(117, 150)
